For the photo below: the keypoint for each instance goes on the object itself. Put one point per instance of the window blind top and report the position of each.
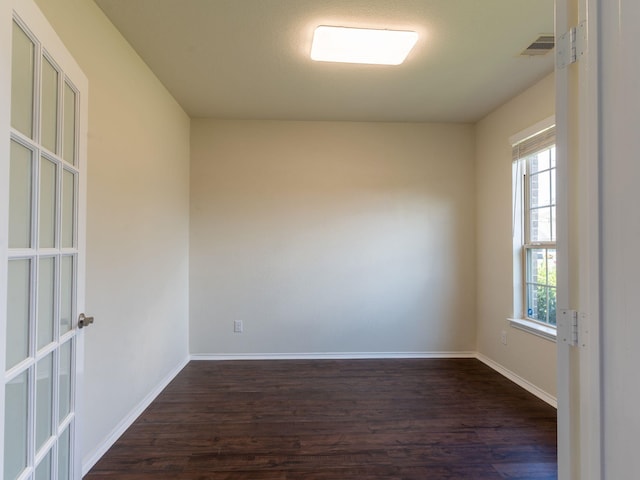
(535, 143)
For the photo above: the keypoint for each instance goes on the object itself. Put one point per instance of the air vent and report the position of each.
(541, 45)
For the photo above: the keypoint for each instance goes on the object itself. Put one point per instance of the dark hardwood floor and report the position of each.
(338, 420)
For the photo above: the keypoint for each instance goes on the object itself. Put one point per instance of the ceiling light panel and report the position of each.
(361, 45)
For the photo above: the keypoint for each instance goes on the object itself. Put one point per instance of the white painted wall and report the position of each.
(332, 237)
(620, 171)
(526, 355)
(137, 237)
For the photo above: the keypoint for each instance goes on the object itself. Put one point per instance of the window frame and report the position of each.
(525, 144)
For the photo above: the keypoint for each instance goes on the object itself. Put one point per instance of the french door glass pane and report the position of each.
(66, 293)
(21, 167)
(64, 378)
(69, 125)
(43, 471)
(15, 428)
(46, 300)
(22, 70)
(49, 114)
(47, 224)
(17, 339)
(44, 400)
(63, 455)
(68, 200)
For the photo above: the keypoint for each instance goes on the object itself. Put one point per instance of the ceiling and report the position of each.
(249, 59)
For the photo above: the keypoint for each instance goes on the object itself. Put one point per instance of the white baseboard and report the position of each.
(330, 355)
(528, 386)
(92, 458)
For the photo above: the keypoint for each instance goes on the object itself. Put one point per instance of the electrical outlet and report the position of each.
(237, 326)
(503, 337)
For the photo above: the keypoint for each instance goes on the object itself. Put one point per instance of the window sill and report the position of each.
(535, 328)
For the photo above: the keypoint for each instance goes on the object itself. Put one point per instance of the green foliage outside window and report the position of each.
(542, 298)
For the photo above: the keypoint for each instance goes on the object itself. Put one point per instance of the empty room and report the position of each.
(236, 246)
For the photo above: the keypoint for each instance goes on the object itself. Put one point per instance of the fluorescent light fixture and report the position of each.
(361, 45)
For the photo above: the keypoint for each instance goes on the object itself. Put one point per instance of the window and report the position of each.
(534, 204)
(539, 249)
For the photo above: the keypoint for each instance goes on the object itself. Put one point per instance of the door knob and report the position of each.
(84, 321)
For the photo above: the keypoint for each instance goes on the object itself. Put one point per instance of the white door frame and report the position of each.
(5, 122)
(579, 367)
(30, 13)
(591, 458)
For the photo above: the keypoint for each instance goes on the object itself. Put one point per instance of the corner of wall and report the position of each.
(527, 356)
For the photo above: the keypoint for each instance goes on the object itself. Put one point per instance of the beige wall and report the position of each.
(137, 237)
(332, 237)
(526, 355)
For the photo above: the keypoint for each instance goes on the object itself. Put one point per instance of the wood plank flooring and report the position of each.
(338, 420)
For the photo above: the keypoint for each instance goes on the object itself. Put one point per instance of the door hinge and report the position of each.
(571, 45)
(572, 328)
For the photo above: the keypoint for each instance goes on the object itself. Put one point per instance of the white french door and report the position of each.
(43, 241)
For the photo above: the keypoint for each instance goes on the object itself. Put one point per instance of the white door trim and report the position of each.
(5, 121)
(590, 378)
(565, 465)
(577, 130)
